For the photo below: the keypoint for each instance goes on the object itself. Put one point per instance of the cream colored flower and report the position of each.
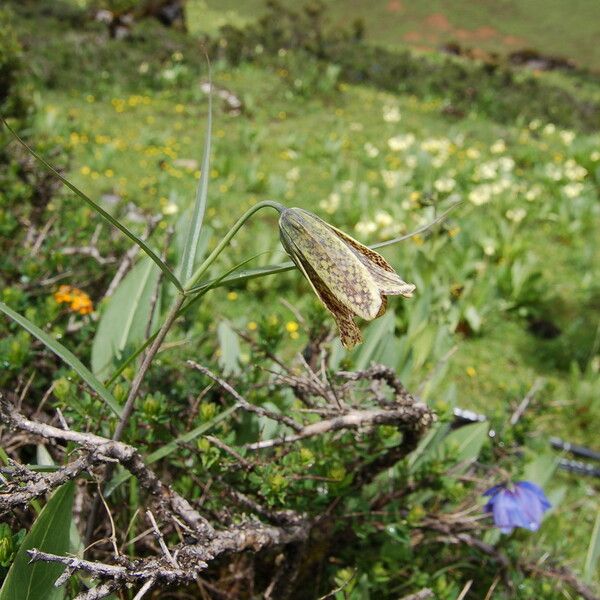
(391, 114)
(399, 143)
(444, 184)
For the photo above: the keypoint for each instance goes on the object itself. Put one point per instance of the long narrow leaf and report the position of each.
(49, 533)
(163, 266)
(66, 355)
(124, 322)
(593, 552)
(191, 244)
(200, 291)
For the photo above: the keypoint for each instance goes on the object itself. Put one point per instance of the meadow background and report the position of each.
(370, 125)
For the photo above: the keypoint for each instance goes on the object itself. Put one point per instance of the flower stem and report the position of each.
(158, 340)
(148, 358)
(228, 236)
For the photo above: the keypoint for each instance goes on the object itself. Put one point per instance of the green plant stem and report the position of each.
(228, 236)
(174, 311)
(158, 340)
(148, 358)
(129, 403)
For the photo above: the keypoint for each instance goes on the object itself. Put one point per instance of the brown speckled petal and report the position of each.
(385, 276)
(349, 332)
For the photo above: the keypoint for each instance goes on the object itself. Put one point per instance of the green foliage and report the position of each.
(49, 533)
(519, 250)
(491, 88)
(13, 91)
(66, 355)
(124, 324)
(593, 553)
(464, 444)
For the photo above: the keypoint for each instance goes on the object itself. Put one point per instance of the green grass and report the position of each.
(551, 27)
(134, 153)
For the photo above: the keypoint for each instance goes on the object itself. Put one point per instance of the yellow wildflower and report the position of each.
(291, 326)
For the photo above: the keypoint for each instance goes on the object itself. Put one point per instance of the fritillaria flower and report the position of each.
(349, 278)
(521, 504)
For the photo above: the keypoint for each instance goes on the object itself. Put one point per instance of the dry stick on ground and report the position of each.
(418, 414)
(101, 591)
(192, 558)
(103, 450)
(259, 410)
(561, 574)
(405, 412)
(13, 494)
(537, 384)
(424, 594)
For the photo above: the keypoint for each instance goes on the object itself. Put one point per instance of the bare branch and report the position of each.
(417, 417)
(101, 591)
(104, 450)
(193, 558)
(258, 410)
(12, 493)
(424, 594)
(537, 384)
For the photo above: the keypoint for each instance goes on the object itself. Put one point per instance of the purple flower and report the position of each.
(521, 504)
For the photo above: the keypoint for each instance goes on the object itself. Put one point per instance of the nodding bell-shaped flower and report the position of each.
(521, 504)
(349, 278)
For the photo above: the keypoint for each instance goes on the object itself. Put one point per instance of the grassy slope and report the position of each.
(252, 160)
(549, 26)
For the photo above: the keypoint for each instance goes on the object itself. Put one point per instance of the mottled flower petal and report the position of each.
(349, 332)
(339, 268)
(385, 276)
(349, 278)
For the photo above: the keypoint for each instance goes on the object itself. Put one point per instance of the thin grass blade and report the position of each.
(593, 553)
(191, 244)
(66, 355)
(108, 217)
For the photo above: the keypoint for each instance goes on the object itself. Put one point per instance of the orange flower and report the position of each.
(78, 300)
(63, 294)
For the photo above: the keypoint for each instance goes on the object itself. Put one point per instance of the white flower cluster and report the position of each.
(402, 142)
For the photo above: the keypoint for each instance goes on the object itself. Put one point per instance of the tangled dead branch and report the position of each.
(209, 537)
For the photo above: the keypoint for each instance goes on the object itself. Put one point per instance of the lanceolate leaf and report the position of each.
(50, 533)
(161, 264)
(66, 355)
(199, 292)
(124, 322)
(593, 552)
(467, 442)
(189, 252)
(229, 344)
